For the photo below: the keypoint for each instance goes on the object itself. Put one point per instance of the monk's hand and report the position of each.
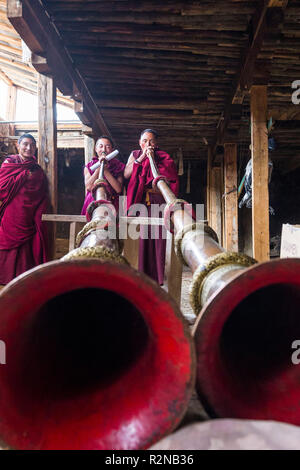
(102, 158)
(150, 152)
(143, 156)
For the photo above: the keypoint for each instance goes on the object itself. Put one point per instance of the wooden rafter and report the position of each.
(244, 78)
(32, 22)
(5, 78)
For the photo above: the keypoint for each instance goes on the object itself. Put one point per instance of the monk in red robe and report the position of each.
(23, 200)
(113, 173)
(152, 250)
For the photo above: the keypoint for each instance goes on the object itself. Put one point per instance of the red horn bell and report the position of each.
(248, 322)
(244, 344)
(97, 357)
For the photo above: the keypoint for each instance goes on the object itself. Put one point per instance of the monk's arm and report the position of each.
(116, 183)
(131, 161)
(89, 179)
(129, 167)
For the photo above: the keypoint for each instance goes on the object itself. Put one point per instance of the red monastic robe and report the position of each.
(23, 200)
(153, 249)
(116, 168)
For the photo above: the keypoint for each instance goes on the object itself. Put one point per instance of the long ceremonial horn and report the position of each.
(248, 322)
(98, 356)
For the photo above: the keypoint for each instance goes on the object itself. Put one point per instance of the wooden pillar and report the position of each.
(216, 202)
(223, 202)
(208, 186)
(260, 191)
(230, 195)
(89, 148)
(47, 136)
(214, 198)
(11, 103)
(173, 270)
(47, 145)
(11, 107)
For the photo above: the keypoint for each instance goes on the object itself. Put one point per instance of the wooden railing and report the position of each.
(173, 268)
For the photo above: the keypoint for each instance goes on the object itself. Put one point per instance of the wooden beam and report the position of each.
(87, 130)
(40, 64)
(208, 185)
(214, 196)
(89, 146)
(260, 191)
(63, 141)
(288, 113)
(244, 78)
(5, 78)
(222, 242)
(10, 39)
(70, 141)
(278, 3)
(231, 206)
(16, 64)
(173, 270)
(11, 104)
(216, 202)
(34, 25)
(47, 137)
(82, 112)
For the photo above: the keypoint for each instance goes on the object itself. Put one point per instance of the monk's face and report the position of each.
(26, 148)
(103, 146)
(147, 140)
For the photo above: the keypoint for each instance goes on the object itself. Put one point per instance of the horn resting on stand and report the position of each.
(248, 319)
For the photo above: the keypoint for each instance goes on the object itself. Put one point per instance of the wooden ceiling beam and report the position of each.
(259, 27)
(5, 78)
(35, 27)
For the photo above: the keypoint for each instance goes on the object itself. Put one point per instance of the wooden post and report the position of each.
(213, 198)
(230, 194)
(208, 186)
(131, 251)
(223, 202)
(11, 107)
(7, 130)
(47, 138)
(173, 270)
(47, 144)
(11, 103)
(260, 191)
(89, 149)
(215, 202)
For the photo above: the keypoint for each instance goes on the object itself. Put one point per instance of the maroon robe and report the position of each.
(152, 251)
(23, 200)
(116, 168)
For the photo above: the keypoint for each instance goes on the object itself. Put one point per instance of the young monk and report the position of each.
(23, 200)
(153, 249)
(113, 173)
